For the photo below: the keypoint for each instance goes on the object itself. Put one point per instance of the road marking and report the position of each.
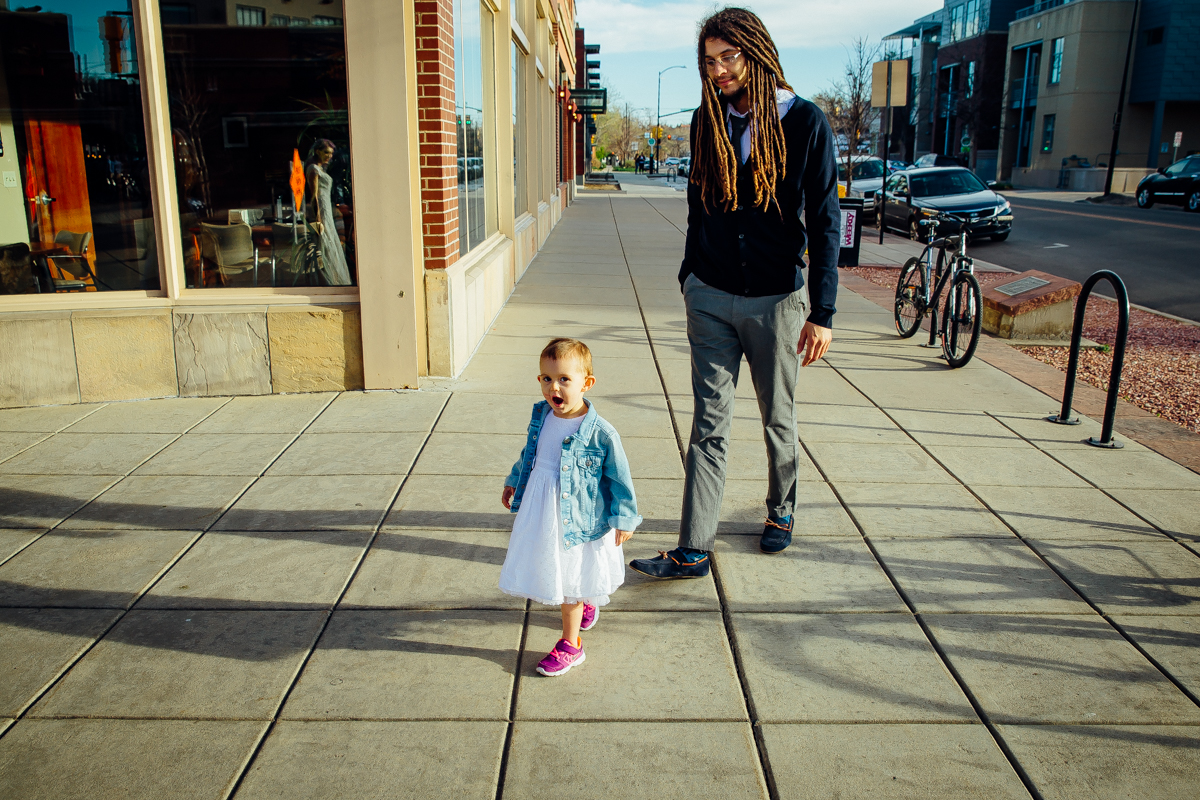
(1055, 245)
(1111, 219)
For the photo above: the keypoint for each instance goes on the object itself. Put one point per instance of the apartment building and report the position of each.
(1063, 82)
(207, 197)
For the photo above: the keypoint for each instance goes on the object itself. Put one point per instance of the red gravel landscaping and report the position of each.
(1162, 355)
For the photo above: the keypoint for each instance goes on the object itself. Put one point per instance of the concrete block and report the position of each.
(87, 454)
(974, 575)
(88, 759)
(453, 502)
(274, 414)
(312, 503)
(42, 501)
(349, 454)
(899, 762)
(37, 362)
(1046, 311)
(635, 661)
(160, 502)
(1174, 642)
(124, 355)
(221, 351)
(173, 415)
(293, 570)
(1070, 514)
(48, 419)
(1172, 510)
(1109, 762)
(844, 668)
(471, 454)
(826, 574)
(381, 412)
(13, 541)
(368, 664)
(320, 760)
(422, 569)
(238, 665)
(36, 644)
(220, 454)
(13, 443)
(919, 509)
(1006, 466)
(315, 349)
(1160, 577)
(88, 569)
(612, 760)
(1057, 670)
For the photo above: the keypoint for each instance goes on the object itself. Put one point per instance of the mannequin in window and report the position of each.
(318, 208)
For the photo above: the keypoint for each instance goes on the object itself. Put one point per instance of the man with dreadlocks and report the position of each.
(760, 156)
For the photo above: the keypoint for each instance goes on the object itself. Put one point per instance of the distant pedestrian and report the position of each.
(574, 501)
(759, 155)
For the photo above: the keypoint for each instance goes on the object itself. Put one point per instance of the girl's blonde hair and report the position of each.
(563, 348)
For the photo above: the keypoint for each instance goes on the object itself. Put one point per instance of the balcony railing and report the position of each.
(1039, 7)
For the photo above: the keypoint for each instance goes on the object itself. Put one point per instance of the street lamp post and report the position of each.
(658, 117)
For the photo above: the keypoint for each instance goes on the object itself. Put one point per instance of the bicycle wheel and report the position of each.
(961, 319)
(910, 298)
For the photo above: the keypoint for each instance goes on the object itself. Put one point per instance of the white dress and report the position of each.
(539, 565)
(334, 269)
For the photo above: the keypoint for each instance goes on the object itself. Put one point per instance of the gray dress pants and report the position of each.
(721, 327)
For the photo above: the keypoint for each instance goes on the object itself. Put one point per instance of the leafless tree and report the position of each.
(847, 102)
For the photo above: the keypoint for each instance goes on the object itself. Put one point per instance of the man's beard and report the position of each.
(736, 97)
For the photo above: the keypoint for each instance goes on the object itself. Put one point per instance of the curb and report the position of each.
(1163, 437)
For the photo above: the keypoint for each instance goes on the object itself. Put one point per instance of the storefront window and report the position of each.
(75, 211)
(520, 204)
(261, 134)
(468, 101)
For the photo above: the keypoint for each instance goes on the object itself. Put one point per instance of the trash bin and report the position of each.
(851, 232)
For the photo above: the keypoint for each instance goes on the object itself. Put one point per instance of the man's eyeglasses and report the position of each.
(726, 61)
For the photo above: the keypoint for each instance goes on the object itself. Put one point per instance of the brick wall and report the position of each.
(436, 127)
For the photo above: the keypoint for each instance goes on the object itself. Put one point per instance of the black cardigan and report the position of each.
(755, 252)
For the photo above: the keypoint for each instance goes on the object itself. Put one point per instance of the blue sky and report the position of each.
(638, 38)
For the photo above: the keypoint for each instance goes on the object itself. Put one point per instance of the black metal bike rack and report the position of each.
(1114, 379)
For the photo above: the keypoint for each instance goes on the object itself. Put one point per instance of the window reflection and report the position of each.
(261, 136)
(468, 93)
(75, 212)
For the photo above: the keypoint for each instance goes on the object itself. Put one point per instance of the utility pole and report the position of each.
(1112, 151)
(658, 117)
(887, 147)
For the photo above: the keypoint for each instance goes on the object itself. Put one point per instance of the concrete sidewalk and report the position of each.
(296, 595)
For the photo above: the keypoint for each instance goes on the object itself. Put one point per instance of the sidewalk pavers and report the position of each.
(206, 597)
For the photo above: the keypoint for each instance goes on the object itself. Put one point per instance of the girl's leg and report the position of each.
(572, 616)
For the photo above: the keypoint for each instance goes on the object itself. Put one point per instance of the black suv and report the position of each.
(1178, 184)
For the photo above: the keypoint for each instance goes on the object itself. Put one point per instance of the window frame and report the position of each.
(1049, 123)
(1054, 74)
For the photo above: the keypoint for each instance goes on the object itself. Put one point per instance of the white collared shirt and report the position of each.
(783, 98)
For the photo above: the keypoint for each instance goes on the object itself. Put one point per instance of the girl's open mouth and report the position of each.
(558, 401)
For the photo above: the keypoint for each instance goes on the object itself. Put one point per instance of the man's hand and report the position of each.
(814, 341)
(506, 497)
(623, 537)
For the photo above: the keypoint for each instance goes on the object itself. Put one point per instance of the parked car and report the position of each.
(1178, 184)
(672, 162)
(936, 160)
(952, 189)
(867, 175)
(685, 166)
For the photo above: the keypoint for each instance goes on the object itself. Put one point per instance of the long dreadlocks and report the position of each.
(715, 161)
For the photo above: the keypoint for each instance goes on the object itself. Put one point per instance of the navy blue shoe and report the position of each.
(673, 564)
(777, 535)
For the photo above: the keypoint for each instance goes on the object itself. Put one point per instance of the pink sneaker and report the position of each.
(560, 660)
(590, 615)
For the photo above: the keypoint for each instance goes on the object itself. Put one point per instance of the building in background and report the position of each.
(1063, 83)
(211, 197)
(958, 60)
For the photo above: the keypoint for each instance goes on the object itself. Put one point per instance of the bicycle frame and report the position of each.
(959, 261)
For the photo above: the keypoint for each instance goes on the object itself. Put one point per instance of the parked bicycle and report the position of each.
(962, 315)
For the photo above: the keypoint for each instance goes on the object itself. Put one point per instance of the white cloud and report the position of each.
(635, 26)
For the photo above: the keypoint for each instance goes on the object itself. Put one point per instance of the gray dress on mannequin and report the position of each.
(334, 269)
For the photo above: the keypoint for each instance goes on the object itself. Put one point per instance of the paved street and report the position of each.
(1155, 250)
(295, 595)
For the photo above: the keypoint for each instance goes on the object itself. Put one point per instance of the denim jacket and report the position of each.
(595, 478)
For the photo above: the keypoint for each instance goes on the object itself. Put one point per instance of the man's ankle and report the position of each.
(692, 555)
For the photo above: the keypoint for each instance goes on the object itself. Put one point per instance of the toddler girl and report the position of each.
(574, 502)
